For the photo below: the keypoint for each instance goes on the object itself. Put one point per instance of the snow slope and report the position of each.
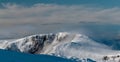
(10, 56)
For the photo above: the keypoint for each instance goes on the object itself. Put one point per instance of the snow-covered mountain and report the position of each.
(62, 44)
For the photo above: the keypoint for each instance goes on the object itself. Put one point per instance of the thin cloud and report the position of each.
(48, 13)
(19, 21)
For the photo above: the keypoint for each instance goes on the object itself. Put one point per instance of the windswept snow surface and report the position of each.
(63, 44)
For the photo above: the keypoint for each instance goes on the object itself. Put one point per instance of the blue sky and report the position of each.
(100, 3)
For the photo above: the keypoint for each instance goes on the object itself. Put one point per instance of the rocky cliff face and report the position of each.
(32, 44)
